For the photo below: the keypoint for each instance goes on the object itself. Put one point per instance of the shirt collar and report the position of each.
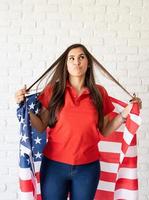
(68, 85)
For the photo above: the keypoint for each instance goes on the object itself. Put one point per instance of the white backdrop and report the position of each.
(33, 33)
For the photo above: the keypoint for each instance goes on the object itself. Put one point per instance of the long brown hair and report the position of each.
(58, 84)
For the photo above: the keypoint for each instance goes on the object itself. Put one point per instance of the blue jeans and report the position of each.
(58, 179)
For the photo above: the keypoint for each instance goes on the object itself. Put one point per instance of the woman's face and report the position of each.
(77, 62)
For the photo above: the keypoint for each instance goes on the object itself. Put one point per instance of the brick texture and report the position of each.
(33, 33)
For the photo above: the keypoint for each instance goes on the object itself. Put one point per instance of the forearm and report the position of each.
(37, 123)
(116, 122)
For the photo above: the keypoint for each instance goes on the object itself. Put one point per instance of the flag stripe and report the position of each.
(125, 194)
(109, 167)
(109, 157)
(127, 184)
(106, 176)
(26, 185)
(132, 126)
(132, 151)
(106, 195)
(129, 173)
(24, 173)
(129, 162)
(106, 186)
(113, 147)
(26, 196)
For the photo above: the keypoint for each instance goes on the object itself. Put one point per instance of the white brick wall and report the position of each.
(34, 32)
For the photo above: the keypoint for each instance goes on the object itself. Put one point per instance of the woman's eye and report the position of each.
(81, 57)
(71, 58)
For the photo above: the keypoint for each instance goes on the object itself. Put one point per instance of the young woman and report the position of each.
(76, 111)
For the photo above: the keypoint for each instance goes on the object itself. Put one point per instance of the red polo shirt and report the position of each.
(74, 139)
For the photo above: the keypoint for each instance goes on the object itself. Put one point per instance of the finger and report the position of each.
(139, 103)
(136, 99)
(20, 99)
(25, 86)
(23, 91)
(20, 92)
(19, 96)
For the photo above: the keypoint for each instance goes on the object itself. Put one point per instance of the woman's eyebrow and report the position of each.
(79, 54)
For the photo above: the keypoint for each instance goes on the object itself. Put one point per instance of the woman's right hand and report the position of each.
(20, 95)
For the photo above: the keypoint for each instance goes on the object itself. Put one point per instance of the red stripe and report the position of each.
(129, 162)
(39, 197)
(115, 136)
(135, 109)
(125, 146)
(107, 176)
(109, 157)
(104, 195)
(134, 141)
(37, 174)
(26, 185)
(127, 184)
(131, 126)
(121, 103)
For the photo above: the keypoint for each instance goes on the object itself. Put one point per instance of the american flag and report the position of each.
(118, 155)
(31, 147)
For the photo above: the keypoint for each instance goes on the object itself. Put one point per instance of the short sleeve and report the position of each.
(107, 104)
(45, 95)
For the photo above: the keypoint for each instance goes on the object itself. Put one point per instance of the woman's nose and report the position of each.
(77, 61)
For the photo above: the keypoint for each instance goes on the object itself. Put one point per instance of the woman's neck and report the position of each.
(77, 83)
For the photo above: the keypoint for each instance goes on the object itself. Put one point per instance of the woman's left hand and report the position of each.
(136, 100)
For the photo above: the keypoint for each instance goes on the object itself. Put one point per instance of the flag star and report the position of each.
(36, 111)
(19, 116)
(24, 125)
(27, 99)
(21, 134)
(31, 106)
(24, 138)
(37, 140)
(22, 120)
(28, 161)
(22, 152)
(38, 155)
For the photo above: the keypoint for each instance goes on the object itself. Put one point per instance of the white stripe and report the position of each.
(106, 186)
(127, 136)
(37, 166)
(126, 194)
(131, 152)
(24, 150)
(25, 173)
(130, 173)
(136, 118)
(109, 167)
(113, 147)
(117, 108)
(38, 189)
(122, 155)
(26, 196)
(121, 128)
